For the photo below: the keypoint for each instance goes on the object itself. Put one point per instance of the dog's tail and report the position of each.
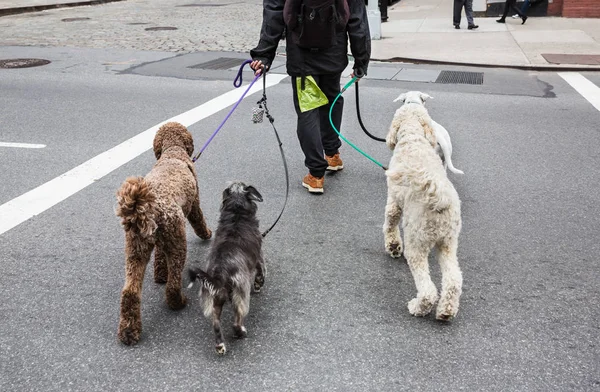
(451, 166)
(211, 287)
(136, 205)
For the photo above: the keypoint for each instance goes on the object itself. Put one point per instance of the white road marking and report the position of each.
(38, 200)
(583, 86)
(21, 145)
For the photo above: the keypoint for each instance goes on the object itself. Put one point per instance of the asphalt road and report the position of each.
(332, 315)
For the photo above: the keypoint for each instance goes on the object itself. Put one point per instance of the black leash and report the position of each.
(360, 119)
(256, 118)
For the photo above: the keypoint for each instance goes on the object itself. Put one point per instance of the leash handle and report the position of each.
(237, 82)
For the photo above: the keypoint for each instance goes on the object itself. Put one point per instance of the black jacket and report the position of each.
(304, 62)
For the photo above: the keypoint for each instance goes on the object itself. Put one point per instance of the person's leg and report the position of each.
(506, 8)
(469, 13)
(458, 5)
(330, 85)
(309, 136)
(525, 7)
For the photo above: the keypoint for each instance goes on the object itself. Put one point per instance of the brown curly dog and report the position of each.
(153, 211)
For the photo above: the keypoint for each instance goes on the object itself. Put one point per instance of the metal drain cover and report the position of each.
(160, 28)
(458, 77)
(74, 19)
(23, 63)
(220, 63)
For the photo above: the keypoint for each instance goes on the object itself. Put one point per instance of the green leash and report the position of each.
(338, 132)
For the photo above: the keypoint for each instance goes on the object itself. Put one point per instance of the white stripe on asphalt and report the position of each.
(21, 145)
(38, 200)
(587, 89)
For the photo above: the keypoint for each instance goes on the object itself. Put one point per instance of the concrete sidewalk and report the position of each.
(423, 30)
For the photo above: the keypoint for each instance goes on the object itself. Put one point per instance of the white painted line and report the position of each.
(38, 200)
(21, 145)
(586, 88)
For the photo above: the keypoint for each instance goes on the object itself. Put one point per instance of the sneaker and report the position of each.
(313, 184)
(515, 16)
(334, 163)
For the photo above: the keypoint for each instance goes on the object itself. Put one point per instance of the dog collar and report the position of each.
(417, 102)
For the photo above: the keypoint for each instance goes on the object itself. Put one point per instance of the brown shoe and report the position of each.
(313, 184)
(334, 163)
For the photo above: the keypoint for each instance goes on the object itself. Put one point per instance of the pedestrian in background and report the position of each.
(317, 37)
(524, 9)
(468, 6)
(507, 6)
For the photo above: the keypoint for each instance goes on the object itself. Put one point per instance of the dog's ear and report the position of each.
(157, 144)
(188, 141)
(252, 193)
(425, 97)
(401, 97)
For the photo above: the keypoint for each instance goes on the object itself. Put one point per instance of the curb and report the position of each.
(36, 8)
(548, 68)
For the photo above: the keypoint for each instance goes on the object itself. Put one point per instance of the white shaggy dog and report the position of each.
(420, 193)
(444, 146)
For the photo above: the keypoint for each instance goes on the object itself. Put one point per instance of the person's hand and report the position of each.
(257, 66)
(358, 74)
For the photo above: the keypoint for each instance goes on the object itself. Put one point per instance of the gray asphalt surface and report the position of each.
(332, 315)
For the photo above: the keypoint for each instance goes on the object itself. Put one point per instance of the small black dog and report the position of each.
(235, 261)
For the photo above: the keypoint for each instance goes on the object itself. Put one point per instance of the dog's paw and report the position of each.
(394, 249)
(128, 335)
(259, 282)
(240, 332)
(206, 235)
(220, 349)
(176, 300)
(420, 308)
(445, 311)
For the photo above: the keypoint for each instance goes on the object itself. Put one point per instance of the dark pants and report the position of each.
(458, 6)
(314, 130)
(511, 4)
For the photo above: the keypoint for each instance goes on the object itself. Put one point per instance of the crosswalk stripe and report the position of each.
(583, 86)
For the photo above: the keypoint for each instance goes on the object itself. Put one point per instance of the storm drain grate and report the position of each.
(220, 63)
(23, 63)
(160, 28)
(458, 77)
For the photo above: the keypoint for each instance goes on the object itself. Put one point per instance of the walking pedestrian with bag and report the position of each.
(317, 34)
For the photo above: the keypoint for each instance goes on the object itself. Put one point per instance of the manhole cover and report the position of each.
(161, 28)
(458, 77)
(220, 63)
(23, 63)
(74, 19)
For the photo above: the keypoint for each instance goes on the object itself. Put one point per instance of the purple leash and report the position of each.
(236, 83)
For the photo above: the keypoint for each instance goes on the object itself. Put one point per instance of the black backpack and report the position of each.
(314, 23)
